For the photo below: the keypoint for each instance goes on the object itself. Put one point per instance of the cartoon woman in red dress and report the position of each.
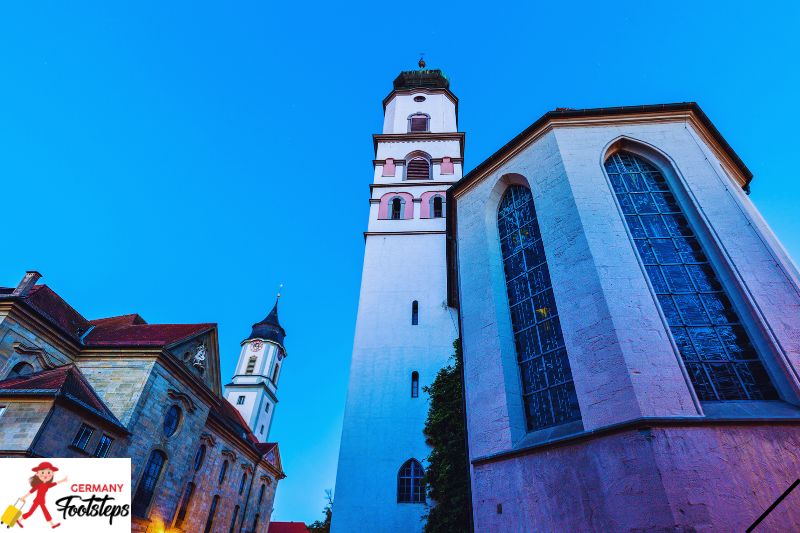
(41, 482)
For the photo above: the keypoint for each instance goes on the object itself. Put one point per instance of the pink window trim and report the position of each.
(388, 167)
(425, 207)
(383, 207)
(447, 166)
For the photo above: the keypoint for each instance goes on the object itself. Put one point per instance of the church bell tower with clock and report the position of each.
(253, 391)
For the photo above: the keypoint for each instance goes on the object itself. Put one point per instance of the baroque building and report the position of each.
(630, 325)
(120, 387)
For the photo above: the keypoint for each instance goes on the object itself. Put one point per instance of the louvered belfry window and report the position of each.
(418, 168)
(418, 123)
(718, 353)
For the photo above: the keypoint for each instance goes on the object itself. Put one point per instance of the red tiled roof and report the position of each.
(118, 332)
(125, 330)
(265, 447)
(231, 416)
(44, 300)
(287, 527)
(65, 381)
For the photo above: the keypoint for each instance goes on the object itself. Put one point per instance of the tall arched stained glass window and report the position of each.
(719, 356)
(546, 376)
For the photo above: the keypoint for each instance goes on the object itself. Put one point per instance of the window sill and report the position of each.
(775, 412)
(79, 450)
(750, 409)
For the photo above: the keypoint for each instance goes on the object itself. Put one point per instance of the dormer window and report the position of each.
(419, 123)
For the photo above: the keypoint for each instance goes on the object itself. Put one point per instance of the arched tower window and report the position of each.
(414, 313)
(275, 374)
(436, 207)
(418, 167)
(419, 122)
(20, 369)
(548, 390)
(397, 206)
(415, 384)
(147, 484)
(410, 483)
(719, 356)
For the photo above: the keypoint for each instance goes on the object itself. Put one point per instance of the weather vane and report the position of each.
(422, 60)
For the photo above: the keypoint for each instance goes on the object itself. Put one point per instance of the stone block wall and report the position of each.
(118, 381)
(21, 421)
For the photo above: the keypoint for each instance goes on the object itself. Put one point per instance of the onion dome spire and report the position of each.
(270, 328)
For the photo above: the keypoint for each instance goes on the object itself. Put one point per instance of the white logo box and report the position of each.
(95, 497)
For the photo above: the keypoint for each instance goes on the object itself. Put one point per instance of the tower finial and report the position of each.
(422, 60)
(280, 286)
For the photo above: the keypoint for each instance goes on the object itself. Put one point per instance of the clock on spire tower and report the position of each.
(254, 388)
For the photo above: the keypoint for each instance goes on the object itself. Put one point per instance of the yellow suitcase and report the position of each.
(12, 514)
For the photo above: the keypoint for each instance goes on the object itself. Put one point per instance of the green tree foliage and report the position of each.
(324, 526)
(447, 476)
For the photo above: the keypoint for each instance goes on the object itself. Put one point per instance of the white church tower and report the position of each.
(254, 388)
(404, 330)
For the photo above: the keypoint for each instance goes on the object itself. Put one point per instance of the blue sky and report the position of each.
(181, 159)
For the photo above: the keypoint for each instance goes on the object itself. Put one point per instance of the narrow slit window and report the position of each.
(718, 353)
(415, 384)
(414, 313)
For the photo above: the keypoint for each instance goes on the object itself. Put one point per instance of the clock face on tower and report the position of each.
(257, 345)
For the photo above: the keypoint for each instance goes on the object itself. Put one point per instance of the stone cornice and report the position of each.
(637, 424)
(416, 137)
(29, 319)
(414, 183)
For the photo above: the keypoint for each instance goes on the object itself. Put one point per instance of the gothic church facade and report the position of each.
(630, 326)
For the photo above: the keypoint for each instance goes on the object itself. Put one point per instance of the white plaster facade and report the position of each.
(624, 362)
(404, 261)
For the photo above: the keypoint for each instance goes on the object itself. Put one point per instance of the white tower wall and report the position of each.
(404, 261)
